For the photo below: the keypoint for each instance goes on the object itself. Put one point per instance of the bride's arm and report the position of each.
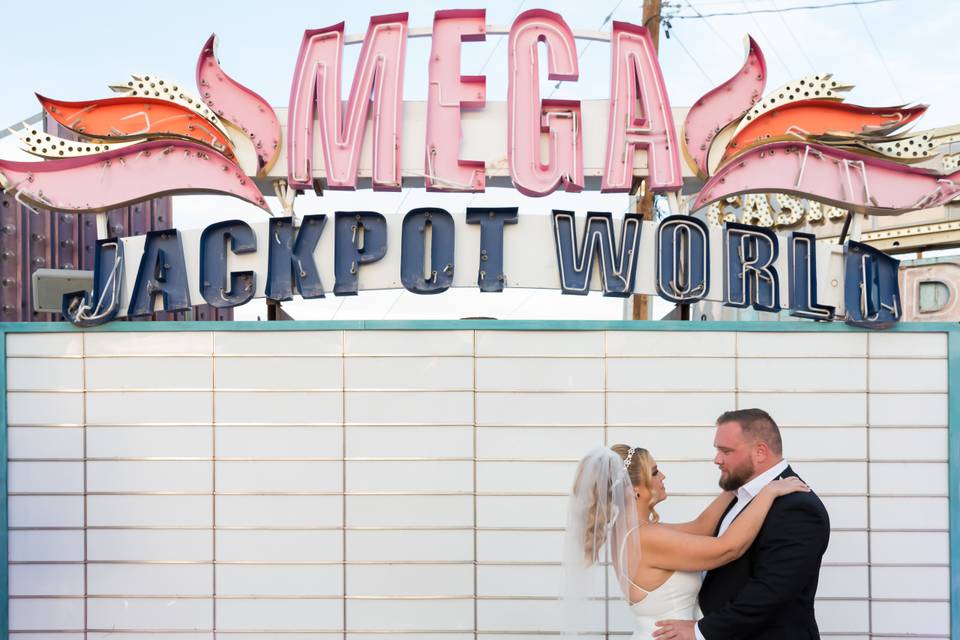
(669, 548)
(706, 523)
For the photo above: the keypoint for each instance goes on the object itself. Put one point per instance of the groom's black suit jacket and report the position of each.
(767, 594)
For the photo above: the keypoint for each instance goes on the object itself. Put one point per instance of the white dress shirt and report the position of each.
(745, 494)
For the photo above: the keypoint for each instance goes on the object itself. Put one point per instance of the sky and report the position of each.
(895, 52)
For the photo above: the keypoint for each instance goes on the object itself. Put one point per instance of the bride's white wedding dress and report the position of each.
(675, 599)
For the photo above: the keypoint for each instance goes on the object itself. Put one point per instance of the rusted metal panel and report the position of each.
(88, 241)
(11, 281)
(32, 239)
(141, 219)
(34, 255)
(117, 223)
(65, 240)
(162, 213)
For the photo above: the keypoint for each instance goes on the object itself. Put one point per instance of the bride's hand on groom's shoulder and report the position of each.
(786, 486)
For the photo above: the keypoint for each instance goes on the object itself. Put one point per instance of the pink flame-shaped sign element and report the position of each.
(723, 105)
(239, 106)
(840, 178)
(116, 178)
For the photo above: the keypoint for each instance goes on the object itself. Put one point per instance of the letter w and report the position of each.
(618, 267)
(316, 92)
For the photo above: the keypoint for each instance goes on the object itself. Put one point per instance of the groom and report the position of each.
(767, 593)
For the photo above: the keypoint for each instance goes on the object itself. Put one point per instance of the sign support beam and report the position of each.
(642, 306)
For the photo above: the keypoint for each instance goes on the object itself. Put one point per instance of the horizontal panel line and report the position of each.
(126, 355)
(437, 562)
(402, 598)
(214, 459)
(479, 425)
(484, 356)
(479, 494)
(48, 425)
(63, 390)
(409, 562)
(381, 425)
(219, 527)
(480, 391)
(405, 527)
(134, 596)
(248, 425)
(469, 633)
(487, 356)
(46, 356)
(397, 528)
(480, 563)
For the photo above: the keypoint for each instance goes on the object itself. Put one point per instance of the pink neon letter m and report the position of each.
(316, 91)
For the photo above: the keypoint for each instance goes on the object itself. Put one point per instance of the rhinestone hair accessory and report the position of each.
(626, 463)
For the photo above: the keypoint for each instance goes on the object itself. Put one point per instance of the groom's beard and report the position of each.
(737, 477)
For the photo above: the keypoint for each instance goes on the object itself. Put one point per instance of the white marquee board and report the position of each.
(389, 483)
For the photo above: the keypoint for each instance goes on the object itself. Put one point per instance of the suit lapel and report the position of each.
(733, 503)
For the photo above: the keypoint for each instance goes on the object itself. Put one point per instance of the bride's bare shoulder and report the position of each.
(663, 534)
(654, 531)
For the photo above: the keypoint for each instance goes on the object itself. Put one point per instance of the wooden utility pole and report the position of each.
(651, 20)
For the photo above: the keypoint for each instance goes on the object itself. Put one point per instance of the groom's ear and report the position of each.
(762, 452)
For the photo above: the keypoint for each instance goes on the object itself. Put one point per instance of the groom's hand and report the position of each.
(674, 630)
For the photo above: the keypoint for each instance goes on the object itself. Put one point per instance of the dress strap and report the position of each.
(624, 571)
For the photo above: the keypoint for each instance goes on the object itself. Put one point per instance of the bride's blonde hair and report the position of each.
(598, 512)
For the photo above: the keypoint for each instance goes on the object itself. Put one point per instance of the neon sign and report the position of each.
(800, 141)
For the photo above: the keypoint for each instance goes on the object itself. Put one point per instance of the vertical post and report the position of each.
(272, 309)
(651, 20)
(4, 522)
(953, 463)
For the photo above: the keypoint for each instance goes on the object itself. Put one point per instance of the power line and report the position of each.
(404, 198)
(883, 60)
(485, 63)
(706, 75)
(516, 12)
(393, 304)
(807, 7)
(773, 46)
(794, 37)
(497, 46)
(712, 28)
(587, 46)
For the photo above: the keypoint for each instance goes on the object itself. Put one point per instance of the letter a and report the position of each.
(640, 115)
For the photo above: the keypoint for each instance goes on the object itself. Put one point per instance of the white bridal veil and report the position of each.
(601, 514)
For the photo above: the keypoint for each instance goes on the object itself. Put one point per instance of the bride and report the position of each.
(658, 565)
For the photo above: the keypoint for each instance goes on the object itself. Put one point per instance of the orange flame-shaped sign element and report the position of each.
(137, 118)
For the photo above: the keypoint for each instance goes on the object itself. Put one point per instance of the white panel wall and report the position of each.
(386, 484)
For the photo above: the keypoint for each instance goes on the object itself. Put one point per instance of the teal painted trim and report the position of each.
(476, 325)
(953, 458)
(4, 520)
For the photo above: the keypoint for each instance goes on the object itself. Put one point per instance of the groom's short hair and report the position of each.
(757, 426)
